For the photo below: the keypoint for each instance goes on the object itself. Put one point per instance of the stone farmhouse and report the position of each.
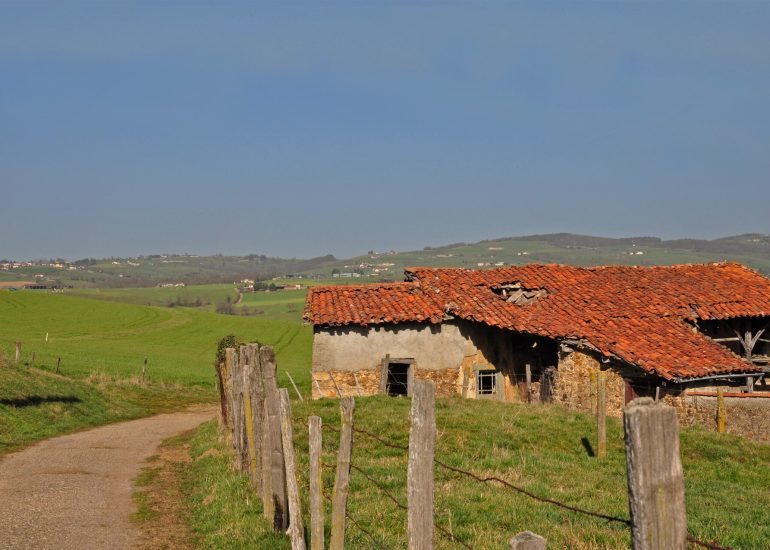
(542, 332)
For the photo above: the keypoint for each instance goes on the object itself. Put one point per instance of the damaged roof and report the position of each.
(637, 314)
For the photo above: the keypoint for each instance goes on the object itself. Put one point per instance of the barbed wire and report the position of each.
(710, 545)
(358, 525)
(493, 479)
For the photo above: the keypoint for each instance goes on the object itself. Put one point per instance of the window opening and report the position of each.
(486, 382)
(398, 379)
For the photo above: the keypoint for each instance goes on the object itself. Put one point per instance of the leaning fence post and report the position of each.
(422, 442)
(276, 505)
(296, 528)
(316, 485)
(721, 411)
(601, 415)
(342, 479)
(655, 480)
(527, 540)
(295, 386)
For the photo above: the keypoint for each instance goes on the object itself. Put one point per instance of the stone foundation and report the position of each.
(576, 384)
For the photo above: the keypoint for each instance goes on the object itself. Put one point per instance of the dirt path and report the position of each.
(74, 491)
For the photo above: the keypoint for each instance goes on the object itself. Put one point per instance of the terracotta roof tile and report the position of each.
(635, 313)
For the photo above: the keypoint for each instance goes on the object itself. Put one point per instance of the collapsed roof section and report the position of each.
(637, 314)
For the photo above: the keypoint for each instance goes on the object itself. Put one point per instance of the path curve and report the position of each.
(74, 491)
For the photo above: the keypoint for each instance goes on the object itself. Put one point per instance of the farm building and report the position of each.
(542, 332)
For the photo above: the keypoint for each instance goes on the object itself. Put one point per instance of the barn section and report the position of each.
(541, 332)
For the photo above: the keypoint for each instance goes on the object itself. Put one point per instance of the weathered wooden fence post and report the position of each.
(277, 506)
(255, 411)
(655, 480)
(58, 364)
(32, 363)
(422, 442)
(527, 540)
(223, 420)
(227, 379)
(239, 420)
(721, 411)
(144, 370)
(18, 352)
(296, 527)
(601, 415)
(592, 389)
(342, 479)
(316, 485)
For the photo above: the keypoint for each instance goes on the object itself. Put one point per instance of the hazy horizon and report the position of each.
(298, 130)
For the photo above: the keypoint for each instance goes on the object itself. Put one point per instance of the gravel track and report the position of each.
(74, 491)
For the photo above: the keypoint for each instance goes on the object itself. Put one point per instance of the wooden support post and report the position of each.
(528, 378)
(749, 380)
(655, 480)
(527, 540)
(336, 387)
(18, 352)
(422, 442)
(294, 385)
(144, 370)
(317, 385)
(296, 528)
(276, 508)
(316, 485)
(358, 386)
(721, 411)
(601, 415)
(342, 479)
(592, 389)
(500, 386)
(58, 364)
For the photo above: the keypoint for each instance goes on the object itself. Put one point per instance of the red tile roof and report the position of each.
(637, 314)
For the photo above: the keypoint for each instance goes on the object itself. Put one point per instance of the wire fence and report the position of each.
(257, 416)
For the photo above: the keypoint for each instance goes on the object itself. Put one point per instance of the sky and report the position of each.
(301, 129)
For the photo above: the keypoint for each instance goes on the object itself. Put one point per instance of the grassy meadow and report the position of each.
(536, 447)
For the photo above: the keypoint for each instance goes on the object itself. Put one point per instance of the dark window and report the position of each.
(486, 382)
(398, 378)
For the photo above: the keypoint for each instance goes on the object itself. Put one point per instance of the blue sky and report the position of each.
(296, 129)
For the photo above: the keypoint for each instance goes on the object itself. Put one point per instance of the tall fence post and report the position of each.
(655, 480)
(239, 420)
(18, 352)
(223, 419)
(256, 413)
(276, 482)
(227, 375)
(422, 442)
(316, 485)
(721, 411)
(296, 528)
(601, 415)
(527, 540)
(342, 479)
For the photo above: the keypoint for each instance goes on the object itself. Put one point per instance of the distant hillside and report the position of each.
(752, 250)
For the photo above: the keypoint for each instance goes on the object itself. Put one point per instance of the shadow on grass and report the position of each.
(35, 400)
(587, 445)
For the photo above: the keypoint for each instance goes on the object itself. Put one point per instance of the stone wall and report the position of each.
(746, 416)
(576, 384)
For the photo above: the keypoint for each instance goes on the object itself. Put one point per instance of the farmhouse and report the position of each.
(542, 332)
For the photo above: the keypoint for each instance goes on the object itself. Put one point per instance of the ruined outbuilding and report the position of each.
(541, 332)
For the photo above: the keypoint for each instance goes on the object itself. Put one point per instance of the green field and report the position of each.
(97, 336)
(536, 447)
(188, 296)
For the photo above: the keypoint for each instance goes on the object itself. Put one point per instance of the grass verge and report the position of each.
(540, 448)
(36, 404)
